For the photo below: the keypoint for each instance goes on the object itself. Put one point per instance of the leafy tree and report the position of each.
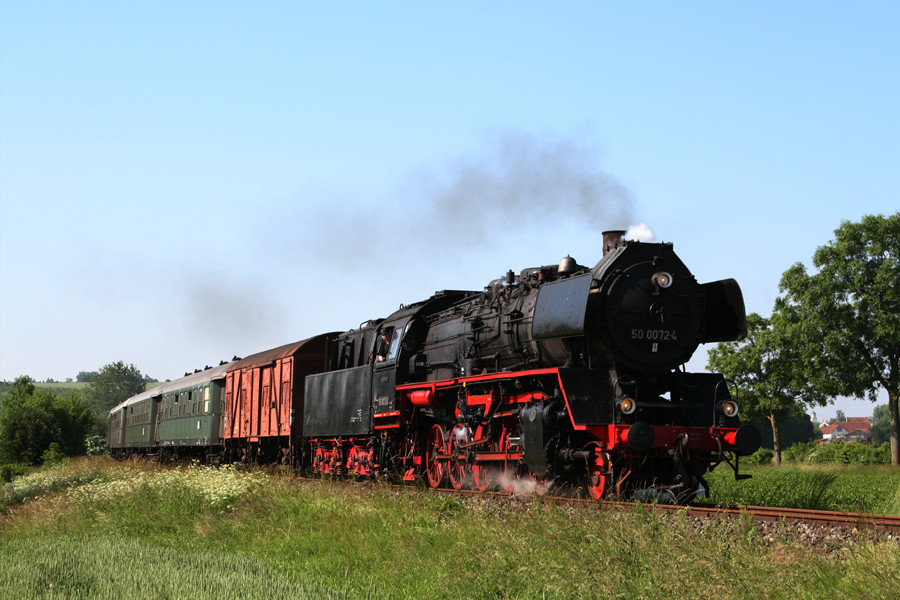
(27, 430)
(75, 419)
(33, 420)
(839, 417)
(880, 431)
(22, 388)
(762, 366)
(86, 376)
(114, 383)
(842, 320)
(796, 429)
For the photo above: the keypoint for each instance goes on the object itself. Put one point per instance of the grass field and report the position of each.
(61, 386)
(866, 489)
(96, 529)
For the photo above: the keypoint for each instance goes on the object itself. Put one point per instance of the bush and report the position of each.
(763, 456)
(852, 453)
(799, 452)
(10, 471)
(839, 453)
(95, 445)
(52, 455)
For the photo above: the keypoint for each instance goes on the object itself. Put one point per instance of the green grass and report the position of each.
(96, 529)
(80, 386)
(867, 489)
(61, 386)
(91, 567)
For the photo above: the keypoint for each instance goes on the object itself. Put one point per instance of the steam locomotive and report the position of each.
(561, 375)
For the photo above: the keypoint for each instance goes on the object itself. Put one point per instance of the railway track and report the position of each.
(825, 518)
(790, 515)
(888, 523)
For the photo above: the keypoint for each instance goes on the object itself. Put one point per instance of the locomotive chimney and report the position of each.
(611, 239)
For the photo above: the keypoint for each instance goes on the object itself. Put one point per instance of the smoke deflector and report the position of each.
(726, 319)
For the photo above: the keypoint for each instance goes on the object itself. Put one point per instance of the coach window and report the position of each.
(206, 400)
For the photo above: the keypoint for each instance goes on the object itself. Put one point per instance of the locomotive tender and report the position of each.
(563, 374)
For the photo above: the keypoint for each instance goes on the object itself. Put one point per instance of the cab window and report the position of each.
(395, 344)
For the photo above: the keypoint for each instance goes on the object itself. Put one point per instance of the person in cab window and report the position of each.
(383, 346)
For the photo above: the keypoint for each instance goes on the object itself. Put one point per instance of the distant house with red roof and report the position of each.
(852, 430)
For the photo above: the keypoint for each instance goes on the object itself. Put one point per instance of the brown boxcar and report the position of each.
(264, 400)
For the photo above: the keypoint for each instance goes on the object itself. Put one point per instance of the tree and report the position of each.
(797, 429)
(880, 431)
(86, 376)
(762, 366)
(114, 383)
(75, 419)
(842, 319)
(22, 388)
(34, 420)
(839, 417)
(26, 431)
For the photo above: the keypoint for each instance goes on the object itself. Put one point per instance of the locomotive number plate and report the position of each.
(660, 335)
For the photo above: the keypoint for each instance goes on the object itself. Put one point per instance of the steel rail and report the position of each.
(889, 523)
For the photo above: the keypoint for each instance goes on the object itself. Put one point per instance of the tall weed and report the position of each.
(58, 478)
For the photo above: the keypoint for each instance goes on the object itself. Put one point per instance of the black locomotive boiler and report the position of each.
(561, 375)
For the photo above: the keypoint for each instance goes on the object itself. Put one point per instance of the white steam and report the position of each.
(524, 486)
(640, 232)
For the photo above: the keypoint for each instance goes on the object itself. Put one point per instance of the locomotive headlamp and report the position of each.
(729, 408)
(662, 279)
(627, 406)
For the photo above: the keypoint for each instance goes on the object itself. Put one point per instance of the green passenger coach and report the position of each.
(178, 418)
(190, 413)
(139, 414)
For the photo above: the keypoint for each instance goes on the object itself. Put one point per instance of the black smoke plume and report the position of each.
(521, 185)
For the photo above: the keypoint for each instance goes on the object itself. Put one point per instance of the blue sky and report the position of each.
(288, 168)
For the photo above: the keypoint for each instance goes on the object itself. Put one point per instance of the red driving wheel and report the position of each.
(459, 460)
(435, 452)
